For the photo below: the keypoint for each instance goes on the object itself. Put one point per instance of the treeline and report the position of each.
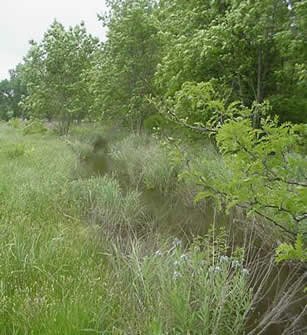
(190, 59)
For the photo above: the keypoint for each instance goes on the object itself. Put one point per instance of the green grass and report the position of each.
(60, 273)
(146, 163)
(180, 291)
(101, 201)
(51, 268)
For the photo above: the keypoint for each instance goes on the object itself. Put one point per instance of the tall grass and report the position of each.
(51, 272)
(103, 202)
(146, 163)
(180, 291)
(63, 269)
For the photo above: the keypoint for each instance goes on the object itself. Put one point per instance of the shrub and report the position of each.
(156, 122)
(15, 123)
(34, 127)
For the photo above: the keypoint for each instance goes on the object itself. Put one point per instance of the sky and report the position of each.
(25, 20)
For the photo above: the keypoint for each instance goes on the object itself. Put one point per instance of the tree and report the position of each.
(264, 174)
(255, 49)
(5, 99)
(122, 77)
(11, 93)
(55, 70)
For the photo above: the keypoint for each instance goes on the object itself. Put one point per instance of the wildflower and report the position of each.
(215, 269)
(184, 257)
(235, 264)
(177, 242)
(176, 275)
(224, 259)
(158, 253)
(176, 263)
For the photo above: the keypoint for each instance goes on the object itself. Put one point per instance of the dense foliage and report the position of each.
(249, 50)
(12, 91)
(122, 78)
(54, 73)
(254, 50)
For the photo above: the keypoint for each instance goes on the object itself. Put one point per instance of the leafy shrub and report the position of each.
(264, 170)
(34, 127)
(289, 252)
(15, 123)
(155, 122)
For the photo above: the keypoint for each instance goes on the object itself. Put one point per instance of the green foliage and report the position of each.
(103, 201)
(177, 291)
(54, 73)
(223, 68)
(50, 265)
(200, 105)
(170, 50)
(266, 171)
(290, 252)
(263, 172)
(195, 102)
(15, 123)
(156, 122)
(60, 275)
(34, 126)
(57, 278)
(255, 50)
(122, 77)
(11, 93)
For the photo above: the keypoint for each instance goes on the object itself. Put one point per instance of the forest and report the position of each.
(156, 182)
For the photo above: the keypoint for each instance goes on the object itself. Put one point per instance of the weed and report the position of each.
(101, 199)
(15, 123)
(15, 150)
(146, 163)
(176, 291)
(34, 127)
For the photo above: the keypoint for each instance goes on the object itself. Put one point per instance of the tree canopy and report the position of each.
(55, 74)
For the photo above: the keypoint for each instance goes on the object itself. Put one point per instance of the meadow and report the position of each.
(108, 239)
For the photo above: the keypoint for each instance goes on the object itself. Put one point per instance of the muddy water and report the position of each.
(172, 216)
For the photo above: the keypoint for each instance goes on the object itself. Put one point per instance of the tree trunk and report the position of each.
(259, 93)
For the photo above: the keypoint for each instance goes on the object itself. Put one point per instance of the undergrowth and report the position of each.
(80, 255)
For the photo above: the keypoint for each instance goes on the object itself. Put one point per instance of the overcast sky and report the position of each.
(23, 20)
